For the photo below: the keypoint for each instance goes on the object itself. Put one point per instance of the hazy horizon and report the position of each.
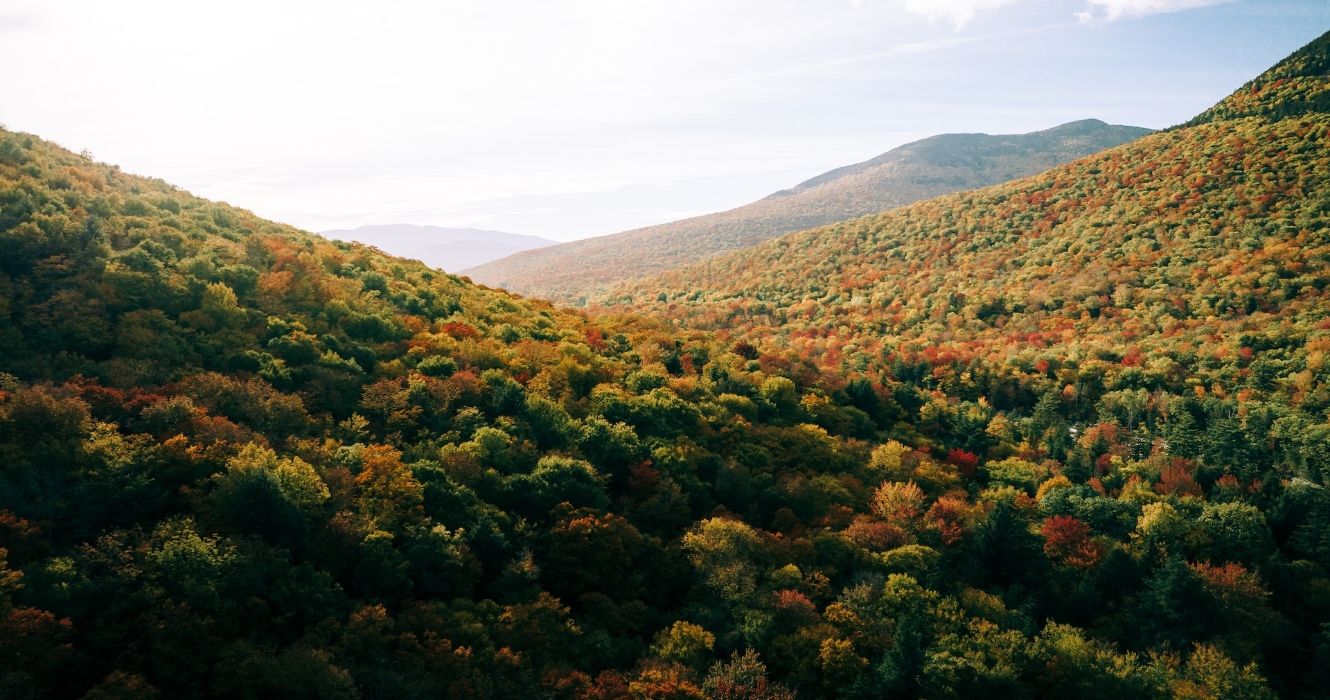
(577, 119)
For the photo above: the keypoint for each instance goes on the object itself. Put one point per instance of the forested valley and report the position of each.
(1062, 437)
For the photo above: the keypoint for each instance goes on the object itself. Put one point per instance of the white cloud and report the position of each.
(958, 12)
(1110, 10)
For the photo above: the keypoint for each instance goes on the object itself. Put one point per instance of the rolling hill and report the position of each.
(1181, 244)
(572, 272)
(450, 249)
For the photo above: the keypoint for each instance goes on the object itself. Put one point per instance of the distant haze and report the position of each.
(449, 249)
(572, 272)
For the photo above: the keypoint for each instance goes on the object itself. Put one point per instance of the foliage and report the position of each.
(1060, 438)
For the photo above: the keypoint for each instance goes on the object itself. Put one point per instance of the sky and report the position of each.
(573, 118)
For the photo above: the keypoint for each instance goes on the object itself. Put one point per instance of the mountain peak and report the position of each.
(1076, 138)
(1080, 125)
(1299, 84)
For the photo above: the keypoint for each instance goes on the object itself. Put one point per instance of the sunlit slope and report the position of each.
(1175, 246)
(579, 271)
(131, 279)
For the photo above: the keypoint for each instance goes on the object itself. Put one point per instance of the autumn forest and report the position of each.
(1062, 436)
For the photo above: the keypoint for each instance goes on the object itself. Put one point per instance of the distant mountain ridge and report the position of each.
(1193, 236)
(572, 272)
(450, 249)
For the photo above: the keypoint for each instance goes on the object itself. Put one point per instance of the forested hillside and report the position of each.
(580, 270)
(1156, 315)
(1059, 438)
(1194, 259)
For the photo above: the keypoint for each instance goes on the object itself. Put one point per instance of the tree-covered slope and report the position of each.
(1184, 247)
(1296, 85)
(576, 271)
(241, 460)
